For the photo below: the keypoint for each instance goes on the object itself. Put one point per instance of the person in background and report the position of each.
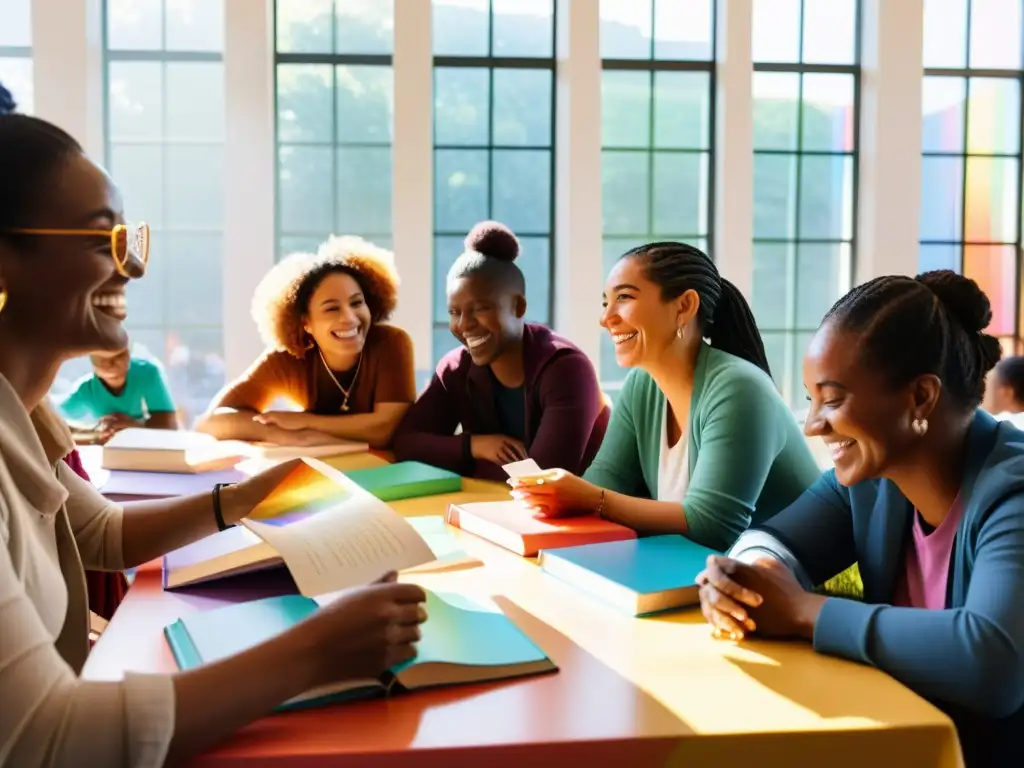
(122, 391)
(700, 441)
(927, 496)
(330, 353)
(516, 389)
(1004, 397)
(61, 293)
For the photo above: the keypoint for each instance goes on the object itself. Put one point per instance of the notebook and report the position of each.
(405, 480)
(638, 577)
(169, 450)
(463, 641)
(512, 526)
(329, 533)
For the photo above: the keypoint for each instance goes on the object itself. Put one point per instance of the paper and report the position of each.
(522, 468)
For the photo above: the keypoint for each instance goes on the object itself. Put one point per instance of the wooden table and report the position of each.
(657, 691)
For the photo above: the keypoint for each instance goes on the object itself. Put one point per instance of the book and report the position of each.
(329, 533)
(127, 485)
(405, 480)
(514, 527)
(639, 577)
(169, 450)
(463, 641)
(274, 452)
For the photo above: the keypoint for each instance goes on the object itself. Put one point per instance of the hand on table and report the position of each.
(556, 493)
(112, 423)
(298, 437)
(738, 599)
(291, 421)
(497, 449)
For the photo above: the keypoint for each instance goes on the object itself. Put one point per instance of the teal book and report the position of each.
(463, 641)
(639, 576)
(405, 480)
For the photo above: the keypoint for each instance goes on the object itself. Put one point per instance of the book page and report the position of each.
(348, 545)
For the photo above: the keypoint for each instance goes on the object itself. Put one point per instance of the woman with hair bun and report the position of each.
(927, 497)
(517, 389)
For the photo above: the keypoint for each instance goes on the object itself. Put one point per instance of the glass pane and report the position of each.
(195, 101)
(461, 181)
(195, 367)
(609, 373)
(461, 27)
(822, 274)
(942, 104)
(365, 104)
(193, 278)
(945, 33)
(195, 25)
(776, 103)
(830, 31)
(521, 185)
(145, 297)
(774, 275)
(994, 269)
(774, 196)
(614, 248)
(135, 25)
(796, 395)
(305, 190)
(683, 30)
(446, 250)
(625, 109)
(996, 37)
(626, 29)
(680, 193)
(297, 244)
(16, 31)
(139, 174)
(535, 262)
(775, 351)
(993, 119)
(444, 342)
(932, 257)
(625, 190)
(364, 190)
(304, 26)
(304, 103)
(942, 184)
(16, 75)
(682, 110)
(826, 197)
(992, 207)
(828, 116)
(776, 33)
(195, 186)
(524, 28)
(460, 105)
(365, 26)
(136, 101)
(522, 107)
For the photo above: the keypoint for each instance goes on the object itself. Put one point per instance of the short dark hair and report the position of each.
(724, 316)
(7, 103)
(1010, 372)
(491, 250)
(929, 324)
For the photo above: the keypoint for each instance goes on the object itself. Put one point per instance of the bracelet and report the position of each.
(600, 505)
(218, 513)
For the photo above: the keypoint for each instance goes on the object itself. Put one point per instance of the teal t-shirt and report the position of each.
(145, 393)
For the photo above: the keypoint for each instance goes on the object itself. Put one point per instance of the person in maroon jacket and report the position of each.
(517, 389)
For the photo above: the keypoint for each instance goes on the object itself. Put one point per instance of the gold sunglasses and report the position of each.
(129, 244)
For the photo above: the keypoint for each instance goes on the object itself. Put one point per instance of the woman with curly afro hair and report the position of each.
(329, 353)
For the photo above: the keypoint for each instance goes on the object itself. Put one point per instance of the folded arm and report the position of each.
(375, 428)
(427, 431)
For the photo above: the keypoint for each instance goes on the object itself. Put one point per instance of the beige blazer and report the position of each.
(52, 524)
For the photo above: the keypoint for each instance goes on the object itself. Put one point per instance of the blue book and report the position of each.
(463, 641)
(637, 576)
(405, 480)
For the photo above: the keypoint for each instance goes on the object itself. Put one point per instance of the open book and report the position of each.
(463, 641)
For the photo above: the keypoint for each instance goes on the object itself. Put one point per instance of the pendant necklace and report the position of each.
(345, 392)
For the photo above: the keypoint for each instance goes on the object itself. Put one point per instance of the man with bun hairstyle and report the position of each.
(517, 389)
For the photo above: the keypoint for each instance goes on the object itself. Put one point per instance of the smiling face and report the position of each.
(483, 317)
(112, 368)
(338, 317)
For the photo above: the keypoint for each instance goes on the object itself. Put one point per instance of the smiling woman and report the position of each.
(329, 353)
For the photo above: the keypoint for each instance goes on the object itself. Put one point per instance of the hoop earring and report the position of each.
(3, 299)
(920, 427)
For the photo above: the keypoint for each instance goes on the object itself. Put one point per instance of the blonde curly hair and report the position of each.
(281, 299)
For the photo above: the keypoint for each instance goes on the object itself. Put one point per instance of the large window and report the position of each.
(165, 139)
(494, 68)
(805, 93)
(334, 116)
(971, 190)
(16, 51)
(657, 130)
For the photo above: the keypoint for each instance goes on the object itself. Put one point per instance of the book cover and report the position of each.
(514, 527)
(642, 576)
(158, 485)
(405, 480)
(169, 450)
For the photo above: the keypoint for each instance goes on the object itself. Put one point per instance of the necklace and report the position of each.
(345, 392)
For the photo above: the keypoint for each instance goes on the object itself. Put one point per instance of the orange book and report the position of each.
(510, 525)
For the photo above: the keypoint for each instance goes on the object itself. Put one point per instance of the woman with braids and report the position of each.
(66, 256)
(517, 389)
(927, 496)
(329, 353)
(700, 442)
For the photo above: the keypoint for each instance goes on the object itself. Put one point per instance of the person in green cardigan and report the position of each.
(700, 442)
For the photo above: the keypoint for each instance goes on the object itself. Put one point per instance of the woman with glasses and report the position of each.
(66, 256)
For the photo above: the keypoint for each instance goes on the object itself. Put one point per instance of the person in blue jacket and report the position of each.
(927, 497)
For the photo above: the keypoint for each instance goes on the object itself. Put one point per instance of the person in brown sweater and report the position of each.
(329, 355)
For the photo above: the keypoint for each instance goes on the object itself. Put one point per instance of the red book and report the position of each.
(512, 526)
